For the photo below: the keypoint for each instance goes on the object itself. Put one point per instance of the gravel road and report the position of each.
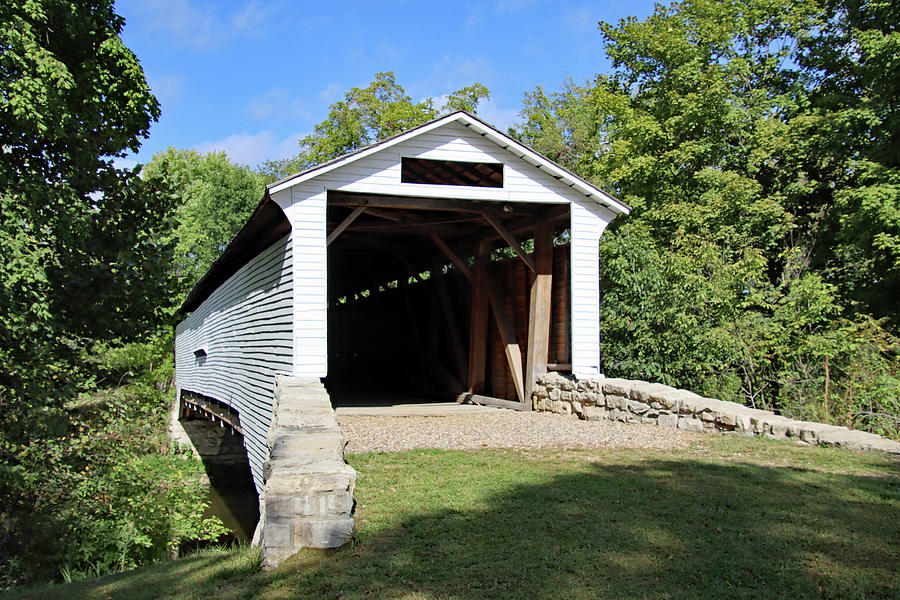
(502, 429)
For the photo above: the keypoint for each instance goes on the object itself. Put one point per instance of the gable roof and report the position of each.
(268, 222)
(481, 128)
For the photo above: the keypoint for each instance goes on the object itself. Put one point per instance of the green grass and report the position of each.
(727, 518)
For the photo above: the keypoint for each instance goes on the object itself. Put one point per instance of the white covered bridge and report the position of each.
(448, 262)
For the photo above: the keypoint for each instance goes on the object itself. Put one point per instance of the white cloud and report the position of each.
(191, 23)
(253, 148)
(278, 102)
(252, 16)
(452, 73)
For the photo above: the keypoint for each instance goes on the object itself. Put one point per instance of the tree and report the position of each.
(84, 260)
(721, 124)
(214, 198)
(854, 128)
(78, 236)
(368, 115)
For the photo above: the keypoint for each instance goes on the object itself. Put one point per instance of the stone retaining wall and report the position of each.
(307, 501)
(657, 404)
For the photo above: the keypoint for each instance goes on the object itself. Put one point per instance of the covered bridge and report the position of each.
(448, 262)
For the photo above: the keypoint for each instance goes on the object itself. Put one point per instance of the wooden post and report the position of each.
(539, 309)
(478, 321)
(507, 334)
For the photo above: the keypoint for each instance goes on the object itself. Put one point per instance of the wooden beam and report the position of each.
(510, 239)
(489, 401)
(344, 225)
(383, 214)
(405, 226)
(539, 308)
(454, 258)
(478, 322)
(456, 345)
(414, 203)
(507, 334)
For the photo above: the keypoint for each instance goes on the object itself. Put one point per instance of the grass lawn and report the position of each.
(727, 518)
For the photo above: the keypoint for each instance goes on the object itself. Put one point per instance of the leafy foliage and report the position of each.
(368, 115)
(105, 492)
(85, 250)
(80, 239)
(754, 140)
(214, 198)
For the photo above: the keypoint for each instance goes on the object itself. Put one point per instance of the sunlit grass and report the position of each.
(729, 517)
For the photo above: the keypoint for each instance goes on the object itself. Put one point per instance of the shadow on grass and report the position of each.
(499, 525)
(661, 529)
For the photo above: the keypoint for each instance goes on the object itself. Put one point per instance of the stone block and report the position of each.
(325, 533)
(324, 445)
(642, 392)
(340, 503)
(577, 408)
(667, 420)
(637, 408)
(277, 533)
(614, 401)
(690, 424)
(594, 413)
(707, 416)
(618, 387)
(670, 398)
(777, 427)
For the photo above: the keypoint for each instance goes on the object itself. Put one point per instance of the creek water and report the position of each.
(237, 506)
(231, 494)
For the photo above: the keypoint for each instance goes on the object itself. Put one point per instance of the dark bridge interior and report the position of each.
(429, 299)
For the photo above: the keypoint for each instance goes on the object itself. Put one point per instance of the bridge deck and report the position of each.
(424, 409)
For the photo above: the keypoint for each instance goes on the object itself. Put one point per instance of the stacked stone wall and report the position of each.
(633, 401)
(307, 501)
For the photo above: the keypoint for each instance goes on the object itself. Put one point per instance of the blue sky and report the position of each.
(252, 77)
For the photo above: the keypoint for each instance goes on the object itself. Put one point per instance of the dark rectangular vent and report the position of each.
(451, 172)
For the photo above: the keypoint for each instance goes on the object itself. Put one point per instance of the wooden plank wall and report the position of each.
(245, 327)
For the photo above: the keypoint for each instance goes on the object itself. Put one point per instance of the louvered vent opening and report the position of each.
(451, 172)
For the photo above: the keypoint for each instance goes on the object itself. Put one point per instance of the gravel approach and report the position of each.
(502, 429)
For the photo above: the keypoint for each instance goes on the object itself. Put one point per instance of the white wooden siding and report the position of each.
(587, 224)
(304, 205)
(379, 173)
(246, 328)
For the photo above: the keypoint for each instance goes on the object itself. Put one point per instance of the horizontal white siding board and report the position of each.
(310, 315)
(246, 328)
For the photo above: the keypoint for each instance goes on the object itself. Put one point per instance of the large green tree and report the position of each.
(214, 198)
(85, 249)
(751, 137)
(368, 115)
(79, 238)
